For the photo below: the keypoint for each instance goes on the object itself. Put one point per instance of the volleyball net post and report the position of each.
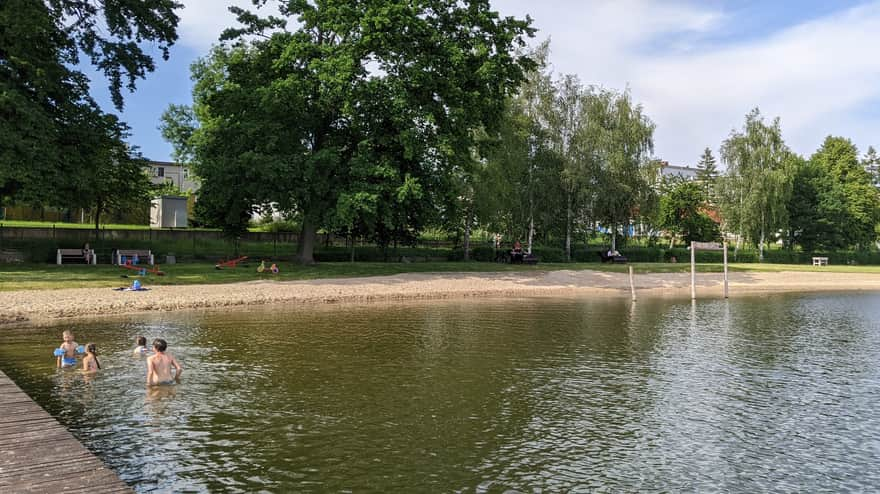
(706, 246)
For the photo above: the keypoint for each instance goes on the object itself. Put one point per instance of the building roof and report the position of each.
(682, 171)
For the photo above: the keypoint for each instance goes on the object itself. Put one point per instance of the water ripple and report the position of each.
(525, 395)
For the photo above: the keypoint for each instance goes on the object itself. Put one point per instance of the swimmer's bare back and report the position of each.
(159, 369)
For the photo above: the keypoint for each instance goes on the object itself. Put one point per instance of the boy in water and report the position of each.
(159, 365)
(141, 348)
(69, 348)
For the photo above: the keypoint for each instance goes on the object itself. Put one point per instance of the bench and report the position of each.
(123, 256)
(75, 256)
(530, 259)
(820, 261)
(612, 259)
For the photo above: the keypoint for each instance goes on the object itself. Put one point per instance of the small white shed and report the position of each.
(168, 212)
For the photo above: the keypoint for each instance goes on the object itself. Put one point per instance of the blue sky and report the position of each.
(697, 66)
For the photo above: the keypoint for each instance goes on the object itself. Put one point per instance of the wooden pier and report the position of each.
(37, 454)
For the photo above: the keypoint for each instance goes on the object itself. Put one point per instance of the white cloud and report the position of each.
(815, 75)
(202, 21)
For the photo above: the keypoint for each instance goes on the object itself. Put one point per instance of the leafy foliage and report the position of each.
(358, 119)
(847, 192)
(757, 185)
(56, 145)
(681, 213)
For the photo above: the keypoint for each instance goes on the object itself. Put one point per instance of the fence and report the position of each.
(39, 244)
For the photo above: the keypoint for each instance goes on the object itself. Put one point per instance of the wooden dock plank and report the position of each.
(37, 454)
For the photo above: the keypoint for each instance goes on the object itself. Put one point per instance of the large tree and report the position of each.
(44, 99)
(366, 105)
(681, 212)
(568, 118)
(756, 185)
(707, 173)
(849, 185)
(871, 163)
(620, 137)
(520, 190)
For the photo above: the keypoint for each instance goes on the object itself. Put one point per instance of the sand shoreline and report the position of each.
(45, 306)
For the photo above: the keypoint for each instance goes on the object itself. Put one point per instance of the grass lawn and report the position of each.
(50, 276)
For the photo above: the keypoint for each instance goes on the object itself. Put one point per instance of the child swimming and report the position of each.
(90, 361)
(141, 348)
(159, 365)
(68, 358)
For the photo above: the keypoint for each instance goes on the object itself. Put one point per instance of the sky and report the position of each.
(697, 67)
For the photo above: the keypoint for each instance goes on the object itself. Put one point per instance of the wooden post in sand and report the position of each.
(632, 285)
(693, 272)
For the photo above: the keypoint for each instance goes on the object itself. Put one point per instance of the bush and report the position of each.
(377, 254)
(549, 254)
(281, 226)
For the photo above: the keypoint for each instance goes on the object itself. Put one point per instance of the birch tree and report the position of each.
(757, 185)
(620, 138)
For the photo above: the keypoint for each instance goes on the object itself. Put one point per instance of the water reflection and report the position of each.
(739, 395)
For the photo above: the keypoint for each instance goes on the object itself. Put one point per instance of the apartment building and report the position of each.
(174, 173)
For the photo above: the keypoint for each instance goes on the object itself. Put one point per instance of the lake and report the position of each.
(528, 395)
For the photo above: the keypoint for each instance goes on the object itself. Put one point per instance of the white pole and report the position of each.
(725, 269)
(693, 273)
(632, 285)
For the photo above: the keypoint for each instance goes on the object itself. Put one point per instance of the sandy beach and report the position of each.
(41, 306)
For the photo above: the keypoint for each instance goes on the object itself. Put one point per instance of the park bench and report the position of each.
(123, 256)
(75, 256)
(530, 259)
(820, 261)
(612, 259)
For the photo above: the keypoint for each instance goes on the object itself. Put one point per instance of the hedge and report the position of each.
(43, 250)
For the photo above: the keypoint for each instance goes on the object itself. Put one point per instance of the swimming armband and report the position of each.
(58, 352)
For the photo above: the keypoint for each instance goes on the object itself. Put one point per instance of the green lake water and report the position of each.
(776, 393)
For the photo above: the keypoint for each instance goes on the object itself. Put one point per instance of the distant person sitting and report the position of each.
(516, 255)
(613, 253)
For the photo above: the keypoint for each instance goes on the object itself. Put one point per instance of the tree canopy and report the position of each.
(756, 185)
(682, 213)
(362, 114)
(50, 127)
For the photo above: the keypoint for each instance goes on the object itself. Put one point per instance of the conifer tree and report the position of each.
(707, 172)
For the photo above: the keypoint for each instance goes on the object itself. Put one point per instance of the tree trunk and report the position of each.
(305, 251)
(467, 234)
(739, 235)
(614, 239)
(351, 239)
(568, 215)
(531, 232)
(761, 246)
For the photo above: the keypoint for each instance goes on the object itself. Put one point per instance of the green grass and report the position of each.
(50, 276)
